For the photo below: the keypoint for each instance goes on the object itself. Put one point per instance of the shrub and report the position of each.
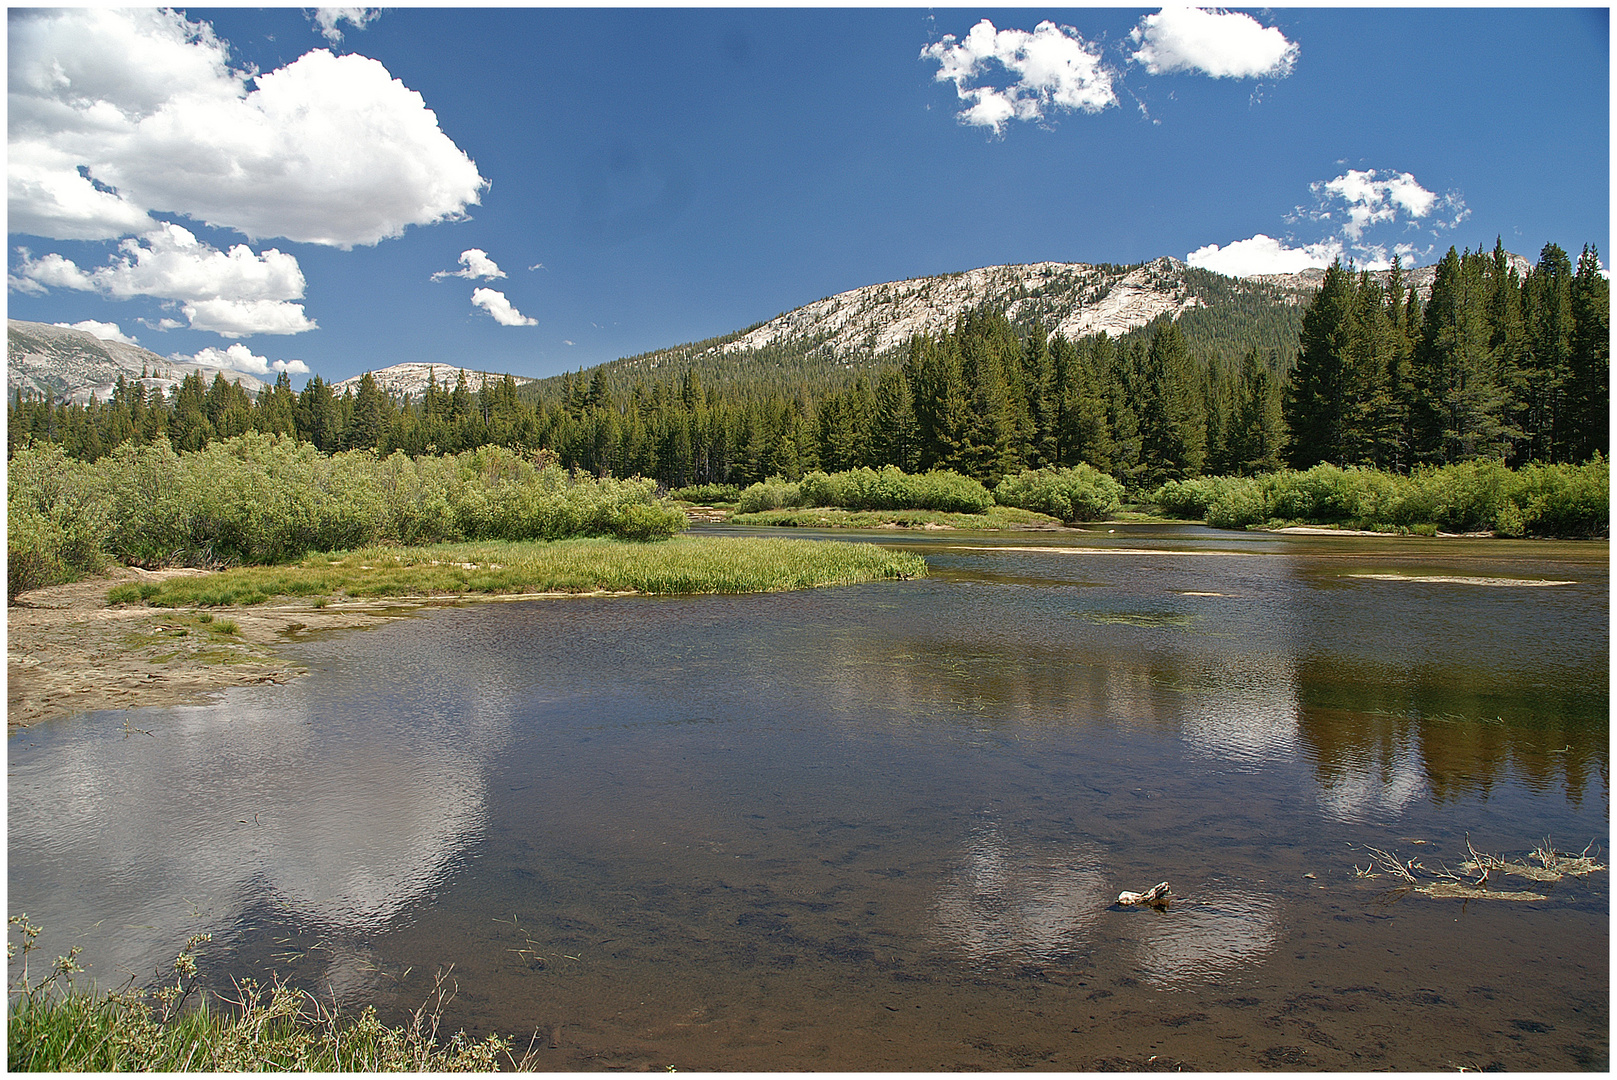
(1082, 493)
(892, 489)
(259, 499)
(772, 494)
(1185, 498)
(707, 493)
(1473, 496)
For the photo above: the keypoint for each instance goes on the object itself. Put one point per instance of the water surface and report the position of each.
(884, 826)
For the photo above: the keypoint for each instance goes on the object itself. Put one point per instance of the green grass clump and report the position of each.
(682, 565)
(54, 1026)
(1568, 501)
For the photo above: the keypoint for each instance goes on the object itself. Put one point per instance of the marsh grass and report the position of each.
(995, 517)
(56, 1026)
(679, 566)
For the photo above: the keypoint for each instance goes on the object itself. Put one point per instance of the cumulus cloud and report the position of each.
(1222, 44)
(234, 293)
(474, 264)
(1353, 204)
(116, 113)
(1370, 197)
(494, 302)
(327, 18)
(1052, 67)
(239, 357)
(106, 331)
(244, 318)
(1263, 255)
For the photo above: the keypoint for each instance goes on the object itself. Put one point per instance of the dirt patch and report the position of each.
(67, 652)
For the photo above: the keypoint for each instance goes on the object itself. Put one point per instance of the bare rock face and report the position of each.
(1074, 299)
(73, 365)
(410, 380)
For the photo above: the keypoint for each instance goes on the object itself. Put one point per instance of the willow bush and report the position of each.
(1082, 493)
(1475, 496)
(260, 499)
(888, 488)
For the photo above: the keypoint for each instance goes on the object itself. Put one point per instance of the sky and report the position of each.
(330, 191)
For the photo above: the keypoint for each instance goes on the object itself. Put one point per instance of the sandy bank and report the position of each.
(68, 653)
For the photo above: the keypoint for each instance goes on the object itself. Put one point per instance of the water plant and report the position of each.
(57, 1026)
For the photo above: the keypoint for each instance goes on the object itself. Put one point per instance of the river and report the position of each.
(884, 826)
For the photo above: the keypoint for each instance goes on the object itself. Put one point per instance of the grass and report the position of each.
(54, 1026)
(682, 565)
(995, 517)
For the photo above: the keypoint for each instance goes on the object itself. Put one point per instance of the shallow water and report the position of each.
(883, 826)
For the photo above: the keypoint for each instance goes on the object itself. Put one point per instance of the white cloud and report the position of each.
(1263, 255)
(1361, 200)
(494, 302)
(327, 18)
(233, 293)
(474, 264)
(113, 113)
(106, 331)
(1053, 67)
(244, 318)
(239, 357)
(1222, 44)
(1371, 197)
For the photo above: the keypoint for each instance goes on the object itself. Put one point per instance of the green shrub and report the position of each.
(1473, 496)
(1185, 498)
(891, 489)
(258, 499)
(707, 493)
(1082, 493)
(771, 494)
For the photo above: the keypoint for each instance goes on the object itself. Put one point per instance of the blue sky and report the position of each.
(211, 184)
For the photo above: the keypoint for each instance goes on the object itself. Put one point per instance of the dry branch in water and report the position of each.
(1157, 896)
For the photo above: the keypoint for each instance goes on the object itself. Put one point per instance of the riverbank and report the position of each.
(134, 638)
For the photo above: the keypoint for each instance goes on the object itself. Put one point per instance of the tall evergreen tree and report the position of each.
(1313, 402)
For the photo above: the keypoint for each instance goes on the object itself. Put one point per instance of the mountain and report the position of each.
(410, 380)
(829, 342)
(66, 364)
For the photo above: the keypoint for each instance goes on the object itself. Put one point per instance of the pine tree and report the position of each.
(1173, 427)
(1314, 398)
(1458, 405)
(1589, 389)
(1547, 304)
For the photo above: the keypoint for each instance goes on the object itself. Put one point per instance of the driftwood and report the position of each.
(1156, 896)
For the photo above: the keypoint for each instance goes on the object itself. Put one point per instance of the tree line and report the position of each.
(1491, 365)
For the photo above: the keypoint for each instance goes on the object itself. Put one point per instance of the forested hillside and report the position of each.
(1488, 364)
